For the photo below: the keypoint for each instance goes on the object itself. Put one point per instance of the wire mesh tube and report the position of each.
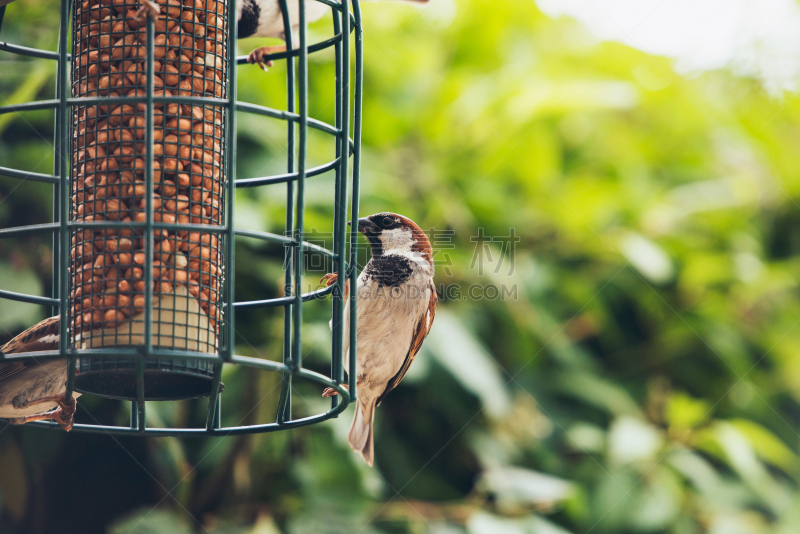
(109, 267)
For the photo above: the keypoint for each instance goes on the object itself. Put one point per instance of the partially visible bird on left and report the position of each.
(32, 389)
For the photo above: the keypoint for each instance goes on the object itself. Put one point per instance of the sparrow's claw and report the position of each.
(330, 392)
(257, 55)
(148, 8)
(47, 416)
(68, 408)
(64, 420)
(329, 279)
(64, 415)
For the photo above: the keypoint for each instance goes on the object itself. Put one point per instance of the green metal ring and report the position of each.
(235, 430)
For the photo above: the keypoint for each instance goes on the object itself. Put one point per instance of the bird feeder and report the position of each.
(144, 188)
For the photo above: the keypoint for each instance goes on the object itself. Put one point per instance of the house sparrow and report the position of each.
(30, 389)
(263, 18)
(396, 305)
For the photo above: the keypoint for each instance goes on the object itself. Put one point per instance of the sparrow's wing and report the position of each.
(420, 333)
(43, 336)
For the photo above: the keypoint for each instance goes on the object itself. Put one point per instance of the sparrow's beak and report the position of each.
(366, 226)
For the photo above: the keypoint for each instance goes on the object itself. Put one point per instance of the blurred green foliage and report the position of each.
(642, 373)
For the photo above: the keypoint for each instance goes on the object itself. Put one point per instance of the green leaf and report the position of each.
(475, 369)
(683, 412)
(633, 440)
(648, 258)
(597, 392)
(741, 456)
(485, 523)
(513, 486)
(659, 503)
(767, 445)
(26, 92)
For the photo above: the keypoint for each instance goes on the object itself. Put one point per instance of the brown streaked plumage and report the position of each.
(420, 333)
(41, 337)
(396, 307)
(33, 389)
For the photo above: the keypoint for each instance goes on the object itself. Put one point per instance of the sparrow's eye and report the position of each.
(387, 221)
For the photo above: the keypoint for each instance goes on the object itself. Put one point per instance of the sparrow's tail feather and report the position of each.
(360, 436)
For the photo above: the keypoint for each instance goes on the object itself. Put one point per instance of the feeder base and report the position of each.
(159, 384)
(178, 323)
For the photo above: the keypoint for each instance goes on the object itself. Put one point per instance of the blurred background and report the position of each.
(611, 188)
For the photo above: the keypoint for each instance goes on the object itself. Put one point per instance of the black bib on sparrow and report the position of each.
(390, 270)
(248, 21)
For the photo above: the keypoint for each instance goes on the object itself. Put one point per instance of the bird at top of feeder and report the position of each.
(396, 303)
(263, 18)
(32, 389)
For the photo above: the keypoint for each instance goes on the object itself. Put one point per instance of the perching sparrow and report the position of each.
(395, 309)
(263, 18)
(31, 388)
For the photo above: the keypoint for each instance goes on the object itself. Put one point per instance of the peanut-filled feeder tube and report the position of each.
(148, 248)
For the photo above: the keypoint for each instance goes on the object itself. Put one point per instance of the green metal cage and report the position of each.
(142, 362)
